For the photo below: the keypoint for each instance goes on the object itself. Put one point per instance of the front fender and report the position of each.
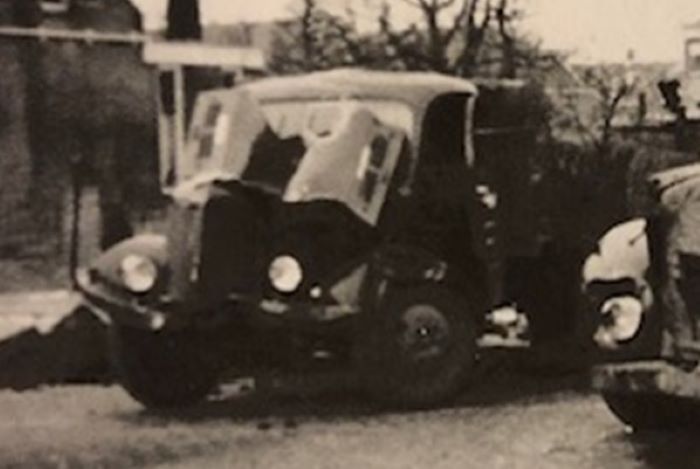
(411, 266)
(104, 292)
(153, 246)
(613, 276)
(622, 253)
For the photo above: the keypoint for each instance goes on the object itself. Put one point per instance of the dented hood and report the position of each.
(339, 151)
(351, 165)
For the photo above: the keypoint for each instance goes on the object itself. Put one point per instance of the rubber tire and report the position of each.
(386, 374)
(649, 412)
(162, 370)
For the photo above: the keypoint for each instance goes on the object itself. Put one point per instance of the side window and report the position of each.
(210, 131)
(374, 161)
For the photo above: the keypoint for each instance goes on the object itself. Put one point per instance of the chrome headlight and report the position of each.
(139, 273)
(624, 320)
(285, 274)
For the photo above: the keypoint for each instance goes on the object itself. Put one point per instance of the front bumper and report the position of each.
(114, 307)
(647, 377)
(111, 307)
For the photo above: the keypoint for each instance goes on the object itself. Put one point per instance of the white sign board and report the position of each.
(203, 55)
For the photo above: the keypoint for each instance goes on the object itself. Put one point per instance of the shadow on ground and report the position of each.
(73, 350)
(285, 400)
(663, 450)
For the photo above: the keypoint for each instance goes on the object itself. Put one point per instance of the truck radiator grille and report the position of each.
(184, 234)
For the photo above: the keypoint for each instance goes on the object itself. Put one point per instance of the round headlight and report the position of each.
(285, 274)
(625, 317)
(138, 273)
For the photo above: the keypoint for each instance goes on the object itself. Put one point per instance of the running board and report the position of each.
(647, 377)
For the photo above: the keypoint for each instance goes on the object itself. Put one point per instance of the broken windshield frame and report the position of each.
(301, 150)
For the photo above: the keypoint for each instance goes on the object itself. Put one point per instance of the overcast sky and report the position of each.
(594, 30)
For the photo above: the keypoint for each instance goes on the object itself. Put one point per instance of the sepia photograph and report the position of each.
(330, 234)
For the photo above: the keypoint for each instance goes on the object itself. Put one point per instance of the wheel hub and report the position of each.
(425, 332)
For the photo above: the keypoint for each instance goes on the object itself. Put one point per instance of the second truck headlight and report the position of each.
(624, 314)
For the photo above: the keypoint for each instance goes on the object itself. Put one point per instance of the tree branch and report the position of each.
(474, 36)
(458, 22)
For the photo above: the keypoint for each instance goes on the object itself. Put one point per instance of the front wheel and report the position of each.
(419, 348)
(163, 369)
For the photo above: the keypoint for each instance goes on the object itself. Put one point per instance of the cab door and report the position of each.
(504, 145)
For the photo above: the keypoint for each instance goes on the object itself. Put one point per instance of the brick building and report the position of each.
(68, 101)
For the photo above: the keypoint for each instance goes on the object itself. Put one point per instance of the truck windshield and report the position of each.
(343, 150)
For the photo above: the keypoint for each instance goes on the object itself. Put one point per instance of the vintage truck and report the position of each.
(371, 218)
(653, 318)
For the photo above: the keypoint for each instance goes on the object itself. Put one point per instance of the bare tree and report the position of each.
(474, 37)
(611, 87)
(439, 39)
(317, 40)
(307, 36)
(456, 37)
(448, 39)
(453, 36)
(504, 19)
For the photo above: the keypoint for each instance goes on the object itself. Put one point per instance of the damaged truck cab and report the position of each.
(343, 214)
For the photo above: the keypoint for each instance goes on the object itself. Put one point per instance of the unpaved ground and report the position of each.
(511, 418)
(501, 426)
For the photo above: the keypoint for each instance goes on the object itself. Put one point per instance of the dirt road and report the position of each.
(509, 419)
(506, 426)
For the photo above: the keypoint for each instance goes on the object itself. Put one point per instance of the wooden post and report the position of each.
(166, 134)
(76, 196)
